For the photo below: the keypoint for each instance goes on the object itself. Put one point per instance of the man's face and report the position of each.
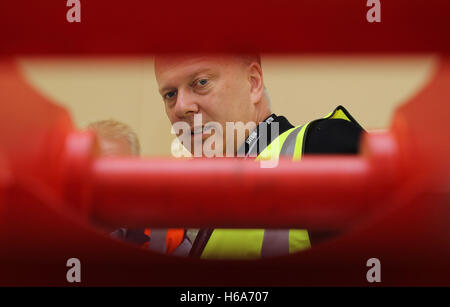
(217, 87)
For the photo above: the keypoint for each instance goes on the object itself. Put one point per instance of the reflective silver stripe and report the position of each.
(158, 240)
(183, 249)
(191, 233)
(288, 147)
(275, 243)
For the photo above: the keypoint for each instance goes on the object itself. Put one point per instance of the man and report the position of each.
(230, 88)
(118, 139)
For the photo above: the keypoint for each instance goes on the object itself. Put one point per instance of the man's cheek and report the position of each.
(212, 99)
(171, 116)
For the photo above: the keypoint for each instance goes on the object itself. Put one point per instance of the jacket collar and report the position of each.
(263, 135)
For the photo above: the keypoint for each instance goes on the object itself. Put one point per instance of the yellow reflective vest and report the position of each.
(257, 243)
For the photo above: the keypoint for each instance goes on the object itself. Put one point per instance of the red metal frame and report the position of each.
(282, 26)
(391, 202)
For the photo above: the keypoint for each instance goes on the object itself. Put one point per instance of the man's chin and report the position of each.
(198, 144)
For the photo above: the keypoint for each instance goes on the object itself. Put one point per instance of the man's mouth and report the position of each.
(201, 132)
(197, 130)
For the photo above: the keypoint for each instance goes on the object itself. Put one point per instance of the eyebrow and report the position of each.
(166, 88)
(190, 76)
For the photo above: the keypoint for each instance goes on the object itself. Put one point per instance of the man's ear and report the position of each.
(255, 77)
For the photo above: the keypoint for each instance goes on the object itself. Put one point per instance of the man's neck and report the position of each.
(262, 116)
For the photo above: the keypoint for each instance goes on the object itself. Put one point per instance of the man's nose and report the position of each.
(186, 104)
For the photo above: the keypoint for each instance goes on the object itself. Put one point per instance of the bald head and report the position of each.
(246, 59)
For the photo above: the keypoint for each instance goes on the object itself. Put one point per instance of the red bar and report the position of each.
(286, 26)
(325, 193)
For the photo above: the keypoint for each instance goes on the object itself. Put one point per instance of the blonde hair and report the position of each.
(114, 129)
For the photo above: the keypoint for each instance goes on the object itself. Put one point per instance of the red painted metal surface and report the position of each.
(286, 26)
(230, 193)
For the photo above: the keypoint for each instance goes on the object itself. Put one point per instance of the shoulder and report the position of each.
(333, 135)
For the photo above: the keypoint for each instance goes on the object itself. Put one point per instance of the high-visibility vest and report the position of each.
(262, 243)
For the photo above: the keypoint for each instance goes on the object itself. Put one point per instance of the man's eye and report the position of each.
(202, 82)
(170, 95)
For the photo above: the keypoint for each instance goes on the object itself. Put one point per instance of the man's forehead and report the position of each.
(172, 70)
(187, 63)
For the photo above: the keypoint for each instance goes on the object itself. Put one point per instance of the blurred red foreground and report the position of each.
(392, 202)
